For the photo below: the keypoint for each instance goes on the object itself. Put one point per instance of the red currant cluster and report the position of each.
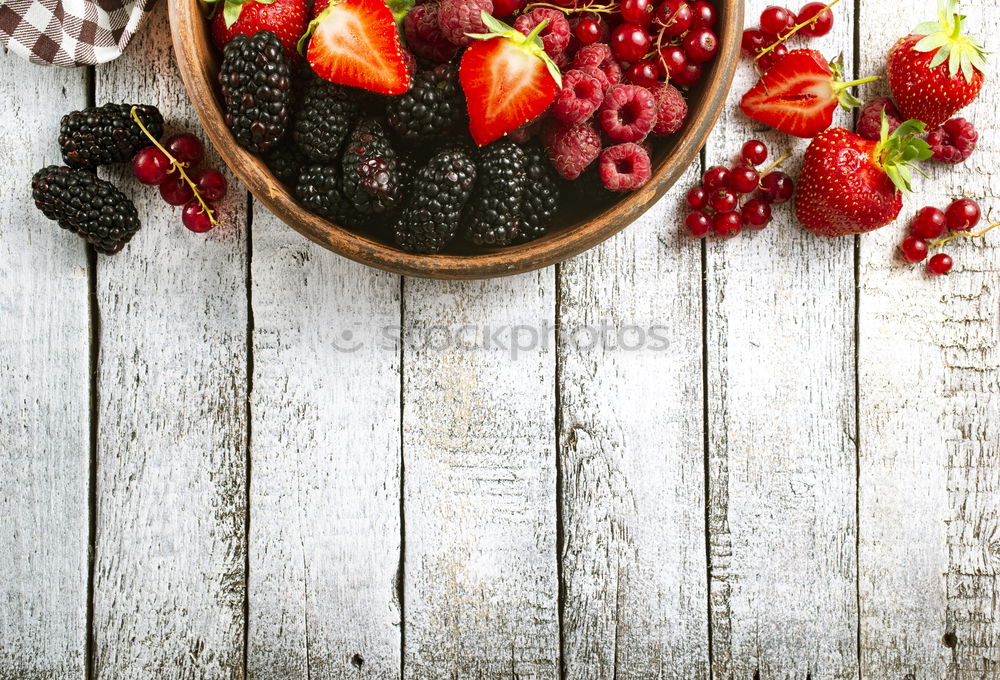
(928, 228)
(715, 203)
(766, 43)
(166, 165)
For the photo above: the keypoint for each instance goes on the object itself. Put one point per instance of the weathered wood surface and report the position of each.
(44, 393)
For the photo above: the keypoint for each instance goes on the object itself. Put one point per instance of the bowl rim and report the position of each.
(189, 32)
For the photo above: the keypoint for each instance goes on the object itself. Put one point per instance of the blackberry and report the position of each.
(318, 189)
(86, 205)
(324, 120)
(541, 193)
(256, 85)
(285, 162)
(440, 190)
(494, 215)
(106, 134)
(371, 178)
(433, 106)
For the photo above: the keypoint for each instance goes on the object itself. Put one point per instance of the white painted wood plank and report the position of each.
(325, 445)
(781, 401)
(479, 479)
(44, 391)
(169, 572)
(929, 366)
(631, 444)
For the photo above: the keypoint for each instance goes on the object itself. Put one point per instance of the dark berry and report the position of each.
(318, 190)
(433, 107)
(541, 199)
(370, 176)
(256, 85)
(439, 193)
(495, 207)
(107, 134)
(323, 120)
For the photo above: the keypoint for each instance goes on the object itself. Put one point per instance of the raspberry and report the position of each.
(870, 119)
(580, 96)
(555, 36)
(671, 109)
(954, 141)
(458, 17)
(628, 113)
(571, 148)
(600, 56)
(624, 167)
(595, 72)
(423, 35)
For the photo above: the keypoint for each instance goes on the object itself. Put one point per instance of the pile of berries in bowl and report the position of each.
(462, 128)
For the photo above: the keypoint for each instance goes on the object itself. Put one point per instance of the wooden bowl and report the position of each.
(576, 233)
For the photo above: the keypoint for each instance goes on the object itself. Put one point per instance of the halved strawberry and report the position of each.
(508, 80)
(799, 94)
(355, 42)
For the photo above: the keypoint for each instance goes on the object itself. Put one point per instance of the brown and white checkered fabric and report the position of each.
(70, 32)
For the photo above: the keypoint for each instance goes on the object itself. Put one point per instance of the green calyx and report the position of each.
(947, 39)
(898, 153)
(531, 43)
(841, 89)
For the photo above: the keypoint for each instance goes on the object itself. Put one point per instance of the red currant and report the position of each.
(704, 14)
(754, 41)
(151, 166)
(211, 184)
(928, 224)
(715, 178)
(743, 180)
(643, 72)
(504, 8)
(754, 152)
(638, 12)
(757, 213)
(186, 148)
(820, 20)
(697, 198)
(962, 215)
(914, 249)
(675, 16)
(672, 60)
(176, 191)
(777, 188)
(772, 57)
(940, 264)
(688, 76)
(722, 201)
(700, 45)
(195, 218)
(775, 21)
(698, 224)
(630, 42)
(587, 31)
(727, 224)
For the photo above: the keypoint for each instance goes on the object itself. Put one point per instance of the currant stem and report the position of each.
(964, 234)
(176, 165)
(595, 8)
(793, 30)
(775, 164)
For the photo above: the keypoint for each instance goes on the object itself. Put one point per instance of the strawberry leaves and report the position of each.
(945, 37)
(898, 152)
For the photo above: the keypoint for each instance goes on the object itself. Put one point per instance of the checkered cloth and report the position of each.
(70, 32)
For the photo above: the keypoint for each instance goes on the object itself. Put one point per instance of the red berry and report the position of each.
(630, 42)
(643, 72)
(914, 249)
(697, 198)
(757, 213)
(777, 188)
(688, 76)
(700, 45)
(754, 152)
(151, 166)
(771, 58)
(587, 31)
(754, 41)
(176, 191)
(672, 60)
(743, 180)
(727, 224)
(698, 224)
(675, 16)
(929, 224)
(504, 8)
(820, 25)
(940, 264)
(186, 148)
(723, 200)
(638, 12)
(962, 215)
(704, 14)
(211, 184)
(715, 178)
(195, 218)
(775, 21)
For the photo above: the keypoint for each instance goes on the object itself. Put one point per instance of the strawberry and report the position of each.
(355, 42)
(285, 18)
(508, 79)
(936, 71)
(799, 94)
(851, 185)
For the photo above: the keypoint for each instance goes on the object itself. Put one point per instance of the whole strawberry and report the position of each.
(936, 71)
(851, 185)
(285, 18)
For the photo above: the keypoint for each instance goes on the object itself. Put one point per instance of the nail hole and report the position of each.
(756, 675)
(949, 640)
(357, 661)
